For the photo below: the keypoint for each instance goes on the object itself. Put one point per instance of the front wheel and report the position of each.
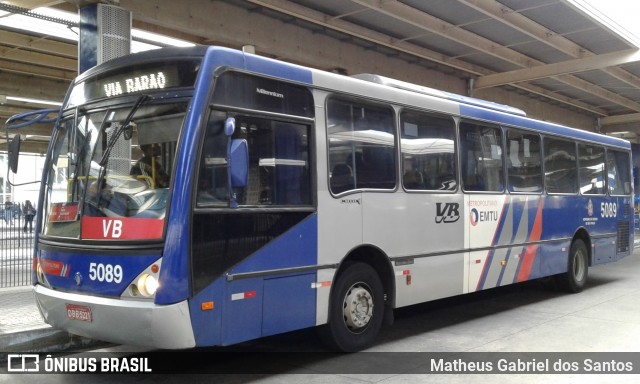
(575, 278)
(356, 309)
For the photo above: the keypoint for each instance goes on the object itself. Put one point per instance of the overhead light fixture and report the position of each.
(33, 101)
(62, 25)
(48, 22)
(622, 134)
(151, 37)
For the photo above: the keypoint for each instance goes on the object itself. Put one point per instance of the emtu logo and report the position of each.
(449, 213)
(474, 217)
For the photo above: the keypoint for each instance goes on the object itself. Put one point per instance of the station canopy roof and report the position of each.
(573, 53)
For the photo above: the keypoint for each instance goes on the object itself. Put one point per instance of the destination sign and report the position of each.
(136, 79)
(136, 84)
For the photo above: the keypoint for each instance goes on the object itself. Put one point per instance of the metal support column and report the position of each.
(105, 33)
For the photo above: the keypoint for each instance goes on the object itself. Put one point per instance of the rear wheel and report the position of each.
(356, 309)
(575, 278)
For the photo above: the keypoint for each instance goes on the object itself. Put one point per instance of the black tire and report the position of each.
(575, 278)
(356, 309)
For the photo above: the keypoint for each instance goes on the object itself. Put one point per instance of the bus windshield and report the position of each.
(110, 170)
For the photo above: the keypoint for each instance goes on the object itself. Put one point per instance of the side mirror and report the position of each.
(14, 153)
(127, 131)
(229, 126)
(13, 146)
(238, 163)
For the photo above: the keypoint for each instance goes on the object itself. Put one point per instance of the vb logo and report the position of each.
(115, 229)
(447, 212)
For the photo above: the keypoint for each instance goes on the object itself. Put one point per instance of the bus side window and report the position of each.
(428, 145)
(524, 166)
(212, 181)
(287, 182)
(482, 155)
(361, 145)
(560, 166)
(592, 177)
(619, 179)
(279, 164)
(341, 178)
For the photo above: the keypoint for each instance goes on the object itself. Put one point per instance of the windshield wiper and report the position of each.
(125, 126)
(80, 163)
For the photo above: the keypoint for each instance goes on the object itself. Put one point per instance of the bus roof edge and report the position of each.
(399, 84)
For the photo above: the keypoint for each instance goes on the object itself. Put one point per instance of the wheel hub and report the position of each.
(358, 307)
(579, 267)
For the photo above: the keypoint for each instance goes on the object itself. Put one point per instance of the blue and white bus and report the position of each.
(205, 196)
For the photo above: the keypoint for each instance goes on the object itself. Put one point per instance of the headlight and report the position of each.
(40, 274)
(42, 279)
(147, 285)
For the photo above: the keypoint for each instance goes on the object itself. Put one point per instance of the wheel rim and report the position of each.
(579, 266)
(357, 307)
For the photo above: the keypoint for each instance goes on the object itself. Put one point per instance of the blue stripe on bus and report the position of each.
(296, 248)
(281, 303)
(104, 275)
(544, 127)
(261, 307)
(249, 308)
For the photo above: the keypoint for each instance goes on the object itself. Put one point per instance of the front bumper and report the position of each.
(120, 321)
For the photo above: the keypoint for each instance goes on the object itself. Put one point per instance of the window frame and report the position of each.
(546, 138)
(251, 114)
(583, 145)
(507, 154)
(462, 157)
(362, 103)
(629, 175)
(455, 167)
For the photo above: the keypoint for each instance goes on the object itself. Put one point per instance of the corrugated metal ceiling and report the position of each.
(486, 40)
(503, 36)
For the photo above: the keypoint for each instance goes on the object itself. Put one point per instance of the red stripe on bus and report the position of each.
(531, 250)
(52, 268)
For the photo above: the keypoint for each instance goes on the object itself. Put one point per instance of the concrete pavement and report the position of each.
(22, 329)
(525, 318)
